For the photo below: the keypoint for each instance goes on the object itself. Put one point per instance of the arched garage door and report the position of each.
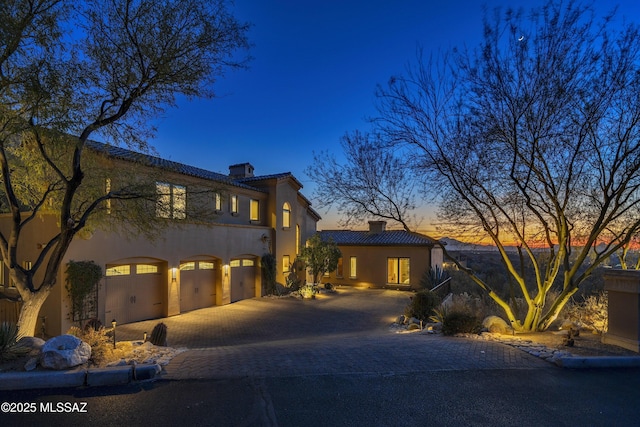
(134, 291)
(243, 279)
(198, 284)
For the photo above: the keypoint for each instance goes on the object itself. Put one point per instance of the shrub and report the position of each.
(293, 282)
(100, 340)
(433, 277)
(9, 349)
(422, 305)
(309, 290)
(591, 313)
(457, 322)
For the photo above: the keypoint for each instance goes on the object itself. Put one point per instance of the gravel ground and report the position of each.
(586, 344)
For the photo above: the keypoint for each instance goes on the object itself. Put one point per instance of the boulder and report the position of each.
(64, 352)
(31, 364)
(496, 325)
(33, 345)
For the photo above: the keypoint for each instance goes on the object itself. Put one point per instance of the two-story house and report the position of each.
(191, 263)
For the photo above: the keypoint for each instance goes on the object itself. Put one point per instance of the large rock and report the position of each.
(64, 352)
(496, 325)
(33, 345)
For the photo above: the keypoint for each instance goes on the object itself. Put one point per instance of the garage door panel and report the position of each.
(132, 297)
(197, 288)
(242, 280)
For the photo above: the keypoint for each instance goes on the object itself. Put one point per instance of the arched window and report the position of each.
(286, 215)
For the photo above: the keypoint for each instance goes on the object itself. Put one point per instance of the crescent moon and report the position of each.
(521, 38)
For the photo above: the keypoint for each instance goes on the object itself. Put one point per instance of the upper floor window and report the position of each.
(254, 210)
(233, 204)
(172, 201)
(297, 239)
(217, 201)
(286, 215)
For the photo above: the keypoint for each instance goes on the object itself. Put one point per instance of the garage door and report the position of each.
(243, 279)
(197, 285)
(134, 292)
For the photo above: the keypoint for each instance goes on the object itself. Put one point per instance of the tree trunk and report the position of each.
(28, 319)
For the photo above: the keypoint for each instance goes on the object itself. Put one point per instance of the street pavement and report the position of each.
(333, 361)
(347, 332)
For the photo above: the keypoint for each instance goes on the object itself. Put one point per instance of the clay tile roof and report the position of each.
(385, 238)
(158, 162)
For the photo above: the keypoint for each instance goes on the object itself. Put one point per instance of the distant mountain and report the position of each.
(453, 245)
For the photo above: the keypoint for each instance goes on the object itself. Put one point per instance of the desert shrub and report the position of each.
(100, 340)
(439, 314)
(293, 281)
(592, 312)
(478, 306)
(422, 305)
(456, 322)
(433, 277)
(9, 349)
(309, 290)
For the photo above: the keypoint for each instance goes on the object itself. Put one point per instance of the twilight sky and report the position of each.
(316, 65)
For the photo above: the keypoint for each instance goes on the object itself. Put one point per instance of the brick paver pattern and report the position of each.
(343, 333)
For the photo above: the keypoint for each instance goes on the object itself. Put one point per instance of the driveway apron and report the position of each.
(347, 332)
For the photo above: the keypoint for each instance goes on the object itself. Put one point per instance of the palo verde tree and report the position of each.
(71, 71)
(531, 139)
(320, 256)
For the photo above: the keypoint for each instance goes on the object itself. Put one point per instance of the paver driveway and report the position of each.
(343, 333)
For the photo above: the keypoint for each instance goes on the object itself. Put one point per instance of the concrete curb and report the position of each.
(79, 377)
(599, 362)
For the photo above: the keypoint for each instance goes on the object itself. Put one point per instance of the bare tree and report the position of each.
(532, 140)
(70, 71)
(375, 182)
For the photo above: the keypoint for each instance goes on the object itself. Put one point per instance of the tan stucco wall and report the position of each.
(623, 288)
(372, 266)
(230, 237)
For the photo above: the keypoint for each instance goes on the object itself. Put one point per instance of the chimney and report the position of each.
(241, 170)
(377, 226)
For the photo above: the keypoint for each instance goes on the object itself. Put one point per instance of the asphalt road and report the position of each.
(527, 397)
(334, 362)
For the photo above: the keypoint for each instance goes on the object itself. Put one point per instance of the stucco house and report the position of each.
(381, 258)
(191, 264)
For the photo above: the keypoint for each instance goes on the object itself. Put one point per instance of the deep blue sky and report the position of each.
(316, 65)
